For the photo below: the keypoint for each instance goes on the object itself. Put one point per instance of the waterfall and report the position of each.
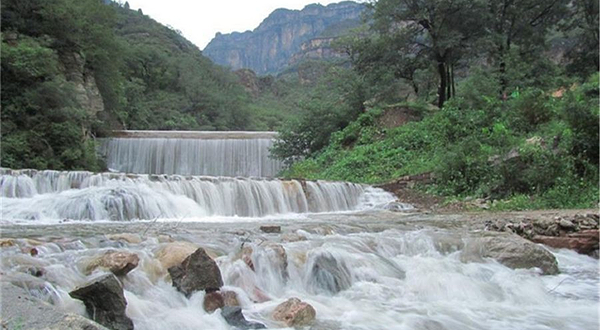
(192, 153)
(80, 195)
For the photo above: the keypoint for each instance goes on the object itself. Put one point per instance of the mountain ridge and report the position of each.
(270, 46)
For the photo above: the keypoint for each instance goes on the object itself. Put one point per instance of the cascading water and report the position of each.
(192, 153)
(405, 277)
(359, 270)
(53, 195)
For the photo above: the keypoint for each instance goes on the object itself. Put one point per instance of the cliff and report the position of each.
(269, 47)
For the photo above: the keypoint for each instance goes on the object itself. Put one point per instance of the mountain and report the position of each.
(270, 47)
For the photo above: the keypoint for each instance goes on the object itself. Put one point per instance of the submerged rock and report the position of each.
(233, 315)
(127, 237)
(271, 262)
(118, 262)
(197, 272)
(328, 273)
(510, 250)
(104, 301)
(294, 313)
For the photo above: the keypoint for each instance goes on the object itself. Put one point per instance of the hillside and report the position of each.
(270, 47)
(506, 114)
(74, 70)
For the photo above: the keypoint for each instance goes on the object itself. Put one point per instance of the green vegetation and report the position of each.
(73, 70)
(518, 113)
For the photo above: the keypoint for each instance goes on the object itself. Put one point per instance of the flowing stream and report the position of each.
(366, 270)
(360, 266)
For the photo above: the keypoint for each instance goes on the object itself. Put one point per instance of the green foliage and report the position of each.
(330, 105)
(526, 151)
(55, 53)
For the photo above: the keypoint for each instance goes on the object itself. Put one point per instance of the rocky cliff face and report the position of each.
(269, 48)
(86, 90)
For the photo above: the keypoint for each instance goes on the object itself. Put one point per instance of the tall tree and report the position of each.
(519, 22)
(441, 30)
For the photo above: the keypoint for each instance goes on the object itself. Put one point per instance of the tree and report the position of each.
(582, 29)
(522, 22)
(441, 30)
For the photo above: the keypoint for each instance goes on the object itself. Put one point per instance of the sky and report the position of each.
(200, 20)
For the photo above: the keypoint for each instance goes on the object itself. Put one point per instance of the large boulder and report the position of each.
(105, 302)
(197, 272)
(294, 313)
(117, 262)
(510, 250)
(173, 254)
(233, 315)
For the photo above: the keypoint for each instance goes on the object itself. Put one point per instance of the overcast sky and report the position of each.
(199, 20)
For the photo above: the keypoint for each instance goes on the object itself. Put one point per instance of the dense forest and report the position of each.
(495, 99)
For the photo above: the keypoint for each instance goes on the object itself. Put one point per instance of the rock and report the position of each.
(584, 242)
(328, 273)
(510, 250)
(27, 312)
(127, 237)
(294, 313)
(197, 272)
(233, 315)
(230, 298)
(247, 256)
(536, 141)
(564, 223)
(398, 207)
(25, 281)
(34, 271)
(118, 263)
(293, 237)
(272, 257)
(104, 301)
(270, 229)
(213, 301)
(172, 254)
(7, 242)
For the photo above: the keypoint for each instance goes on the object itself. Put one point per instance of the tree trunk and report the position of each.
(452, 81)
(443, 82)
(448, 83)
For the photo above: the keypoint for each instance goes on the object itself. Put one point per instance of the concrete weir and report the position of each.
(225, 153)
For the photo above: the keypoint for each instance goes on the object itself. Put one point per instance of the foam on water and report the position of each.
(385, 280)
(52, 195)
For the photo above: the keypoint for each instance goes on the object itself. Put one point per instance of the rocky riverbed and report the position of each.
(366, 270)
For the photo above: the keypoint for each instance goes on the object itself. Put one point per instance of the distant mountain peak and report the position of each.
(270, 46)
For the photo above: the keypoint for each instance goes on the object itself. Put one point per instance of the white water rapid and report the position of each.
(359, 272)
(192, 153)
(53, 196)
